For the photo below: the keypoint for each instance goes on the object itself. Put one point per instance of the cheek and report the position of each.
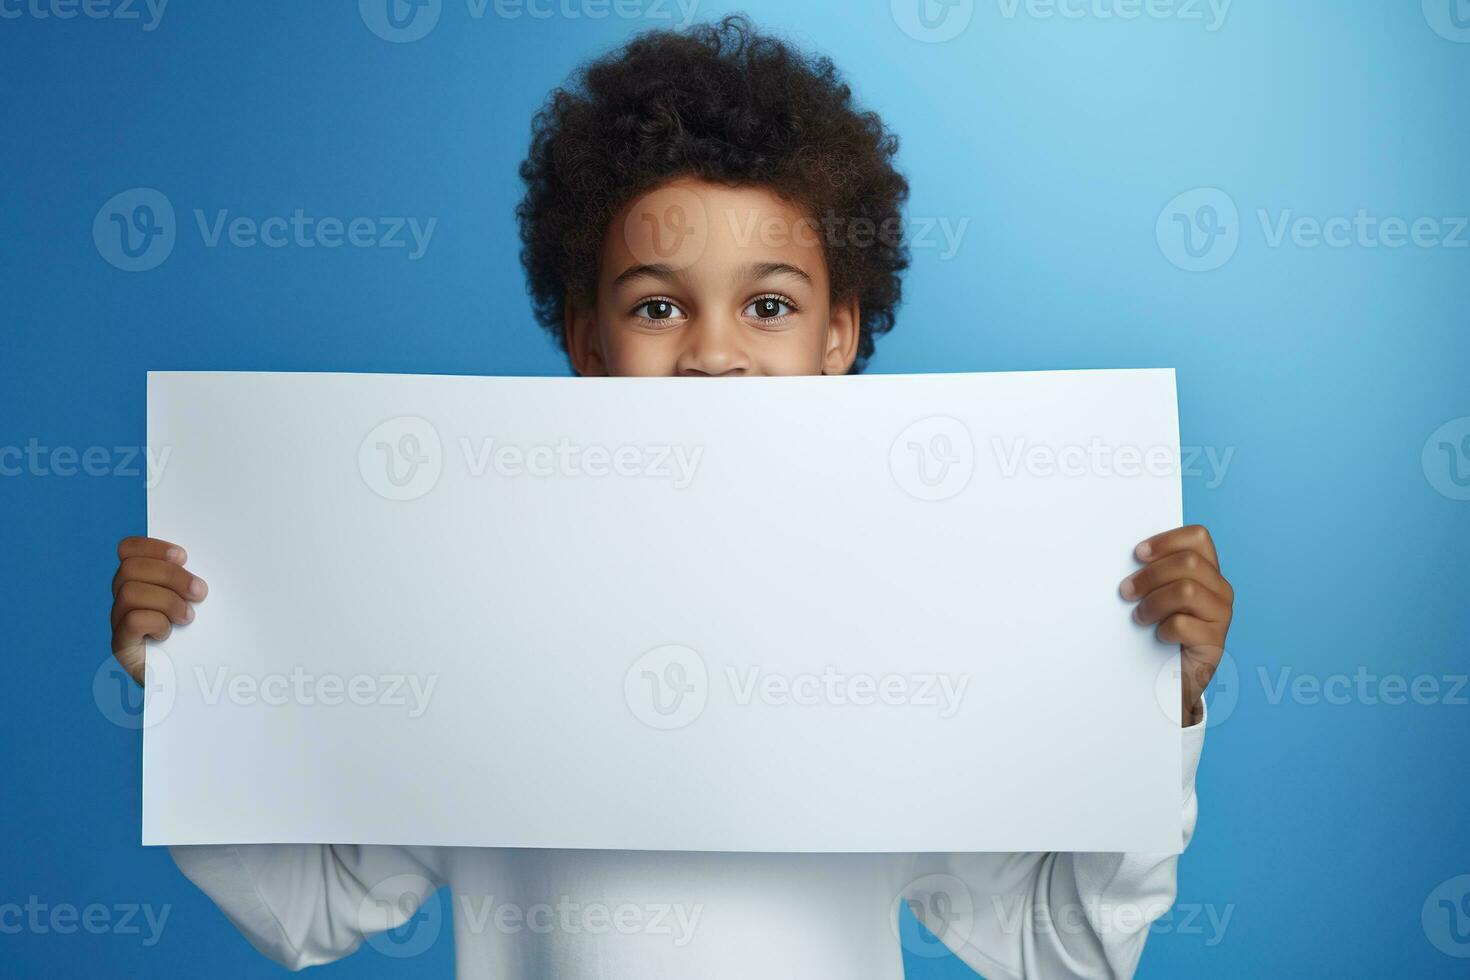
(637, 355)
(796, 351)
(790, 359)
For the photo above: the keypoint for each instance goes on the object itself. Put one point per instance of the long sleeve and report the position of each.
(1052, 914)
(307, 904)
(1006, 915)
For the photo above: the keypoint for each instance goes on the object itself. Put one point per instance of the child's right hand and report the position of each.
(150, 593)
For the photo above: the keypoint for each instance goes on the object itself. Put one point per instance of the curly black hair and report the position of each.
(723, 103)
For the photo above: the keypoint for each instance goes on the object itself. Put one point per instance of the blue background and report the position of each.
(1323, 827)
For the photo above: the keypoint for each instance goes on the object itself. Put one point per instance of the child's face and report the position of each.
(700, 279)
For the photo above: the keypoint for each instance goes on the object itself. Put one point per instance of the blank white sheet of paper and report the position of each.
(874, 613)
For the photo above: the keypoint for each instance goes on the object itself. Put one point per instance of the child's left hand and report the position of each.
(1181, 589)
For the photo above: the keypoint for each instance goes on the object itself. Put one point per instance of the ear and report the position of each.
(584, 342)
(843, 329)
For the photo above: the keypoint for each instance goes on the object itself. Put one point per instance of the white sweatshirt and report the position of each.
(610, 915)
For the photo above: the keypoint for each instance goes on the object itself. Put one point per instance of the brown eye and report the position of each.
(657, 309)
(768, 308)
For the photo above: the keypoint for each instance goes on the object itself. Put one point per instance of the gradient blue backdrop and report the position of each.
(1060, 140)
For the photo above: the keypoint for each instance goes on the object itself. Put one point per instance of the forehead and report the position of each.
(697, 226)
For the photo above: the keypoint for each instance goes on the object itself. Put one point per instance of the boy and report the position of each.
(711, 204)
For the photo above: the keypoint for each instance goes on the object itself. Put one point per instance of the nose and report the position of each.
(714, 348)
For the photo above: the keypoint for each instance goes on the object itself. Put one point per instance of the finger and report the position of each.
(140, 547)
(1193, 537)
(132, 659)
(136, 625)
(157, 572)
(141, 595)
(1192, 633)
(1184, 596)
(1197, 667)
(1172, 568)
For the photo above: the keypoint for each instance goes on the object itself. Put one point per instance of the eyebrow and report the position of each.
(655, 271)
(755, 270)
(765, 270)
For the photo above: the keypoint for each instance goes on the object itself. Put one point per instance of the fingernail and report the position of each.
(1127, 589)
(176, 554)
(1143, 551)
(188, 614)
(1138, 614)
(198, 588)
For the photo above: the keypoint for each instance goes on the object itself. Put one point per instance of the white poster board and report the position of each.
(788, 614)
